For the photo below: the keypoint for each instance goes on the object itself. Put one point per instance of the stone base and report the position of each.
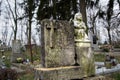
(60, 73)
(65, 73)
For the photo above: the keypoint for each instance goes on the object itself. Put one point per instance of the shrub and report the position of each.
(105, 50)
(8, 74)
(19, 60)
(117, 46)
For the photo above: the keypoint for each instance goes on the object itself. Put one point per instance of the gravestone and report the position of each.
(57, 43)
(16, 50)
(95, 42)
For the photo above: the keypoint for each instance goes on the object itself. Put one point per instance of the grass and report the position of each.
(36, 57)
(101, 58)
(27, 76)
(116, 76)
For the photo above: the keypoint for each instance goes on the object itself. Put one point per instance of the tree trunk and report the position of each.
(83, 10)
(30, 46)
(14, 15)
(110, 41)
(15, 21)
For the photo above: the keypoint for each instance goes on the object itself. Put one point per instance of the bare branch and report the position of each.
(10, 9)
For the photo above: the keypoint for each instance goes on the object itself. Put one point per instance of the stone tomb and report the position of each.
(65, 52)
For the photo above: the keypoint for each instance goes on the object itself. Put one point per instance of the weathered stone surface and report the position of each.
(64, 45)
(16, 50)
(65, 73)
(57, 43)
(85, 57)
(16, 46)
(59, 73)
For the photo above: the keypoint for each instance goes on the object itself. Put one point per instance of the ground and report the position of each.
(29, 74)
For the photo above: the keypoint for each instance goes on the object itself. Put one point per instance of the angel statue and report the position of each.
(80, 28)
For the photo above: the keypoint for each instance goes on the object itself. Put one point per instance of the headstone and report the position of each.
(83, 47)
(2, 52)
(57, 43)
(16, 50)
(95, 42)
(94, 39)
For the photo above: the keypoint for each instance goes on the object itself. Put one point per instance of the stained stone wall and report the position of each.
(57, 43)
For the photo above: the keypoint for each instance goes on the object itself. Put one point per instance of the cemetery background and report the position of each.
(96, 60)
(19, 37)
(99, 57)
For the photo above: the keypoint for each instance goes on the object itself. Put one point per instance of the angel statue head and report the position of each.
(78, 21)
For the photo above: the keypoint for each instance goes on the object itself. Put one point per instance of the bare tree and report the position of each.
(14, 16)
(29, 7)
(5, 33)
(83, 10)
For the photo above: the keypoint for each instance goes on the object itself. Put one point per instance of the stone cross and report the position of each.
(52, 30)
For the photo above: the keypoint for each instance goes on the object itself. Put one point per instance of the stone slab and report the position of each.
(59, 73)
(57, 43)
(65, 73)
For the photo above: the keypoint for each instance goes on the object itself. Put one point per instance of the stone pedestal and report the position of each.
(85, 57)
(59, 73)
(83, 51)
